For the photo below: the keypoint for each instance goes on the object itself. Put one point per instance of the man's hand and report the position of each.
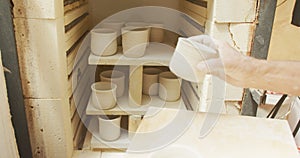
(230, 65)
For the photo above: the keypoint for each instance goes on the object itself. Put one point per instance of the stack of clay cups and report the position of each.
(109, 127)
(135, 40)
(116, 77)
(104, 95)
(150, 81)
(169, 87)
(117, 26)
(103, 42)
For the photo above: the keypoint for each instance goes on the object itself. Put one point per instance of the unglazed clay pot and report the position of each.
(169, 87)
(104, 95)
(116, 77)
(103, 42)
(150, 81)
(157, 33)
(140, 25)
(135, 41)
(186, 57)
(117, 26)
(109, 127)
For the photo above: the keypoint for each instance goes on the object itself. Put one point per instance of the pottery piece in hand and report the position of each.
(187, 55)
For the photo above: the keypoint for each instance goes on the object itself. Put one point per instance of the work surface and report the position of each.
(231, 137)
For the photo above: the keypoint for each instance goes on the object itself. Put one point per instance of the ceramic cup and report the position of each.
(135, 41)
(140, 25)
(150, 81)
(169, 87)
(109, 127)
(104, 95)
(157, 33)
(117, 26)
(103, 42)
(186, 57)
(116, 77)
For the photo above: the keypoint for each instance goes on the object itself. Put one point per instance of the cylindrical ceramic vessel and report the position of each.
(109, 127)
(135, 41)
(117, 26)
(104, 95)
(116, 77)
(103, 42)
(186, 57)
(169, 87)
(150, 81)
(140, 25)
(157, 33)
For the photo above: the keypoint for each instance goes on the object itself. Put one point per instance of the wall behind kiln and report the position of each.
(285, 38)
(101, 9)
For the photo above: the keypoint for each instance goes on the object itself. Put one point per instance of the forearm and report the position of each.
(243, 71)
(276, 76)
